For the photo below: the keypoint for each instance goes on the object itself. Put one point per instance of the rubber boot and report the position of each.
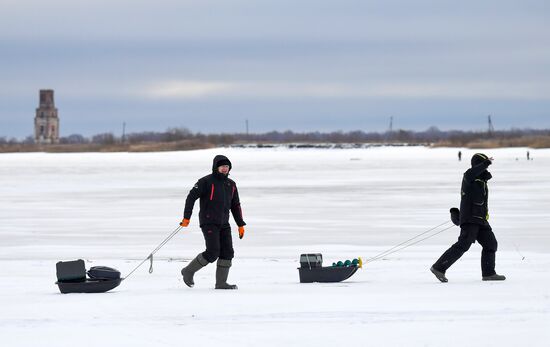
(195, 265)
(494, 277)
(222, 271)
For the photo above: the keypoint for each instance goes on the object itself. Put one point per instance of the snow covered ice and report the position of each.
(113, 208)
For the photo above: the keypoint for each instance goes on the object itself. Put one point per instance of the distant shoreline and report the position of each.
(187, 146)
(182, 139)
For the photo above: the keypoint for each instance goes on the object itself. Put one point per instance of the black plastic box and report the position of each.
(71, 271)
(311, 261)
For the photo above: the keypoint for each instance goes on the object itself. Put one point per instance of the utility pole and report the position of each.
(490, 129)
(247, 128)
(389, 134)
(123, 132)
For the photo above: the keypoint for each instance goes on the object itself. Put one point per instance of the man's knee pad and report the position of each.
(463, 245)
(211, 255)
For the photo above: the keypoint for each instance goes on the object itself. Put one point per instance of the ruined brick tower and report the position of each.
(46, 123)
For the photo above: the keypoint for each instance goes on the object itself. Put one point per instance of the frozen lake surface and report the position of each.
(114, 208)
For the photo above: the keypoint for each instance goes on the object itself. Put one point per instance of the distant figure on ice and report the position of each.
(218, 194)
(528, 158)
(459, 156)
(474, 223)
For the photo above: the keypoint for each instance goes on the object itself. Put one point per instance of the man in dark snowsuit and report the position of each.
(474, 222)
(218, 195)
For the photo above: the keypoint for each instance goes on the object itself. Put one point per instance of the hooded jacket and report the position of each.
(218, 195)
(475, 192)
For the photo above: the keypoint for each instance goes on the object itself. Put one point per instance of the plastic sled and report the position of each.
(311, 270)
(326, 274)
(71, 278)
(88, 286)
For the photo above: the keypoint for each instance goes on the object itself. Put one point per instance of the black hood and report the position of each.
(220, 160)
(478, 158)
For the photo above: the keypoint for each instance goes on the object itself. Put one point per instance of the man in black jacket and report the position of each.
(218, 195)
(474, 223)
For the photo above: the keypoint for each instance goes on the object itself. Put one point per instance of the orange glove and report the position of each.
(241, 232)
(184, 222)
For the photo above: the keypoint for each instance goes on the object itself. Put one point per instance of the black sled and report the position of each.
(71, 278)
(312, 270)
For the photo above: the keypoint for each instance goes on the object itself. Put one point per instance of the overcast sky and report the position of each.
(300, 65)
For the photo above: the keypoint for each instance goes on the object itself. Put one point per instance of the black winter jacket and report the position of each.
(218, 194)
(475, 195)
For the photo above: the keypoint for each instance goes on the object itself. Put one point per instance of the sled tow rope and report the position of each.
(411, 241)
(150, 256)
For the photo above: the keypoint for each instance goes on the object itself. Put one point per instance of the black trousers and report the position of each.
(470, 233)
(218, 242)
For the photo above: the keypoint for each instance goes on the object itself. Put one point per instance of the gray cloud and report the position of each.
(345, 65)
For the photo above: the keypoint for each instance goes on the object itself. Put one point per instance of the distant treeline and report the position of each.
(182, 139)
